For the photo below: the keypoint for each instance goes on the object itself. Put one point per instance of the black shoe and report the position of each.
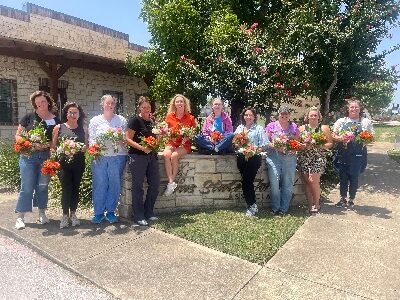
(341, 203)
(282, 213)
(350, 205)
(274, 212)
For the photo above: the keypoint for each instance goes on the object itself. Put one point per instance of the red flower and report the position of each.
(216, 136)
(50, 167)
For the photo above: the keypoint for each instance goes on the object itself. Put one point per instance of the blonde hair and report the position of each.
(313, 108)
(172, 107)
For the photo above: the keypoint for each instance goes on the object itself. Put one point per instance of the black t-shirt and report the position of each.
(28, 121)
(141, 128)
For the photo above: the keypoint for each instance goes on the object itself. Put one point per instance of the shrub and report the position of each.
(9, 167)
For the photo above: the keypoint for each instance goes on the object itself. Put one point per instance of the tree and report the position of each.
(324, 48)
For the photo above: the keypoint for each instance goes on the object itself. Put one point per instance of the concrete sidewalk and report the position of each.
(337, 254)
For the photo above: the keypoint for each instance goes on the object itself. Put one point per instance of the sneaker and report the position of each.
(252, 210)
(43, 219)
(350, 204)
(282, 213)
(341, 203)
(97, 219)
(170, 188)
(64, 222)
(153, 218)
(111, 217)
(75, 221)
(142, 223)
(20, 224)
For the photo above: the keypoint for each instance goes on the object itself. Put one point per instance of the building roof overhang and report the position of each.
(51, 54)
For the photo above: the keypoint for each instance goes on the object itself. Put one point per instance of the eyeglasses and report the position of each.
(71, 113)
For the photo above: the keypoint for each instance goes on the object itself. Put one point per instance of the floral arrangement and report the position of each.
(249, 150)
(50, 167)
(160, 128)
(293, 146)
(67, 148)
(314, 138)
(216, 136)
(31, 138)
(115, 135)
(240, 140)
(95, 151)
(364, 137)
(175, 132)
(24, 147)
(150, 142)
(281, 141)
(188, 132)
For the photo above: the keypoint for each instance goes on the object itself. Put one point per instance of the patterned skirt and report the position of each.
(311, 161)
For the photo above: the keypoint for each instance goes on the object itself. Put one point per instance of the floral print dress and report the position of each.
(311, 161)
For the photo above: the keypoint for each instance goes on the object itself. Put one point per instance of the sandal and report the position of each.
(313, 210)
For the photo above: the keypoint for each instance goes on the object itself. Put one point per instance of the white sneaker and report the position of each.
(75, 221)
(20, 224)
(64, 222)
(252, 210)
(143, 223)
(170, 188)
(43, 219)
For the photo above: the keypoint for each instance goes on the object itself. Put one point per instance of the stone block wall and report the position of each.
(206, 181)
(84, 87)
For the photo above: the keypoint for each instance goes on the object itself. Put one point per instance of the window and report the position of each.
(8, 102)
(119, 108)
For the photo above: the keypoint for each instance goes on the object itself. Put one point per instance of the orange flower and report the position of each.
(24, 146)
(239, 140)
(50, 167)
(216, 136)
(149, 142)
(294, 145)
(95, 151)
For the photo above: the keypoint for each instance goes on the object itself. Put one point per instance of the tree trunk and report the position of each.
(328, 97)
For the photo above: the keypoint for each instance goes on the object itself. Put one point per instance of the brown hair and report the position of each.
(51, 104)
(244, 111)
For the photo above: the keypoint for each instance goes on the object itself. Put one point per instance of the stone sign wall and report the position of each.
(206, 181)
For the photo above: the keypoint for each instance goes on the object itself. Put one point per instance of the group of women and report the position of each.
(107, 170)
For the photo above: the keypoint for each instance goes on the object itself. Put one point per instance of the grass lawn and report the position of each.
(395, 155)
(386, 133)
(255, 239)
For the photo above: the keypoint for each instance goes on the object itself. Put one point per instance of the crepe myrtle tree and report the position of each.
(338, 41)
(248, 71)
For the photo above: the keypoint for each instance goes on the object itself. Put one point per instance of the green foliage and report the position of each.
(386, 133)
(326, 48)
(9, 167)
(255, 239)
(394, 155)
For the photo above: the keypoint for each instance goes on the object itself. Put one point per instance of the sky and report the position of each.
(123, 16)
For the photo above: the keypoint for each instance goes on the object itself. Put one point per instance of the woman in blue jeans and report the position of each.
(281, 162)
(34, 185)
(108, 169)
(219, 121)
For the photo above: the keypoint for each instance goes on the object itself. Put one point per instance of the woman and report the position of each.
(248, 166)
(142, 162)
(217, 121)
(71, 173)
(316, 139)
(178, 116)
(107, 171)
(34, 185)
(281, 162)
(351, 156)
